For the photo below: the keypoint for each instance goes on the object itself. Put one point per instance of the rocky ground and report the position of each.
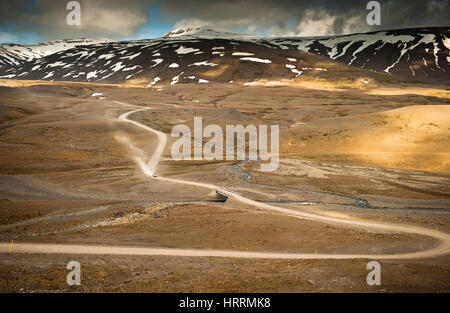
(67, 177)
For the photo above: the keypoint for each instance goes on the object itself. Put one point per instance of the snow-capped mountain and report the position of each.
(405, 52)
(202, 55)
(206, 33)
(420, 53)
(15, 54)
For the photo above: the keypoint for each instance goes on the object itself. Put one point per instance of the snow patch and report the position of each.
(117, 67)
(157, 61)
(48, 75)
(256, 60)
(91, 74)
(131, 57)
(185, 50)
(155, 80)
(59, 63)
(175, 79)
(130, 68)
(206, 63)
(242, 53)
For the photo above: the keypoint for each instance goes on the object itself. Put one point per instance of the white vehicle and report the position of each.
(154, 175)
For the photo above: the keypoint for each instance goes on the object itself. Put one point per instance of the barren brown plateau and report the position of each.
(375, 154)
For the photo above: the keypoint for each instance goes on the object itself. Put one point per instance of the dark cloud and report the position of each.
(122, 18)
(99, 18)
(312, 17)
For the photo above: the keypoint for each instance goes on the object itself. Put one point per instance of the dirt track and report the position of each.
(149, 167)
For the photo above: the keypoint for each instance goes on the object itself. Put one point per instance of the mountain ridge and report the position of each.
(14, 54)
(414, 54)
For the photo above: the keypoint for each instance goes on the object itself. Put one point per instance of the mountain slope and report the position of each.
(418, 53)
(14, 54)
(201, 55)
(421, 53)
(186, 61)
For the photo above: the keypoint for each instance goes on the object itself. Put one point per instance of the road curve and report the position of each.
(39, 248)
(148, 167)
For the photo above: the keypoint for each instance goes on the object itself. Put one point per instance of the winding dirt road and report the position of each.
(148, 167)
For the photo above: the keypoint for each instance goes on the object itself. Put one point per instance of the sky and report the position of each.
(33, 21)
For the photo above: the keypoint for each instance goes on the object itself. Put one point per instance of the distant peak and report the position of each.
(78, 41)
(184, 31)
(204, 32)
